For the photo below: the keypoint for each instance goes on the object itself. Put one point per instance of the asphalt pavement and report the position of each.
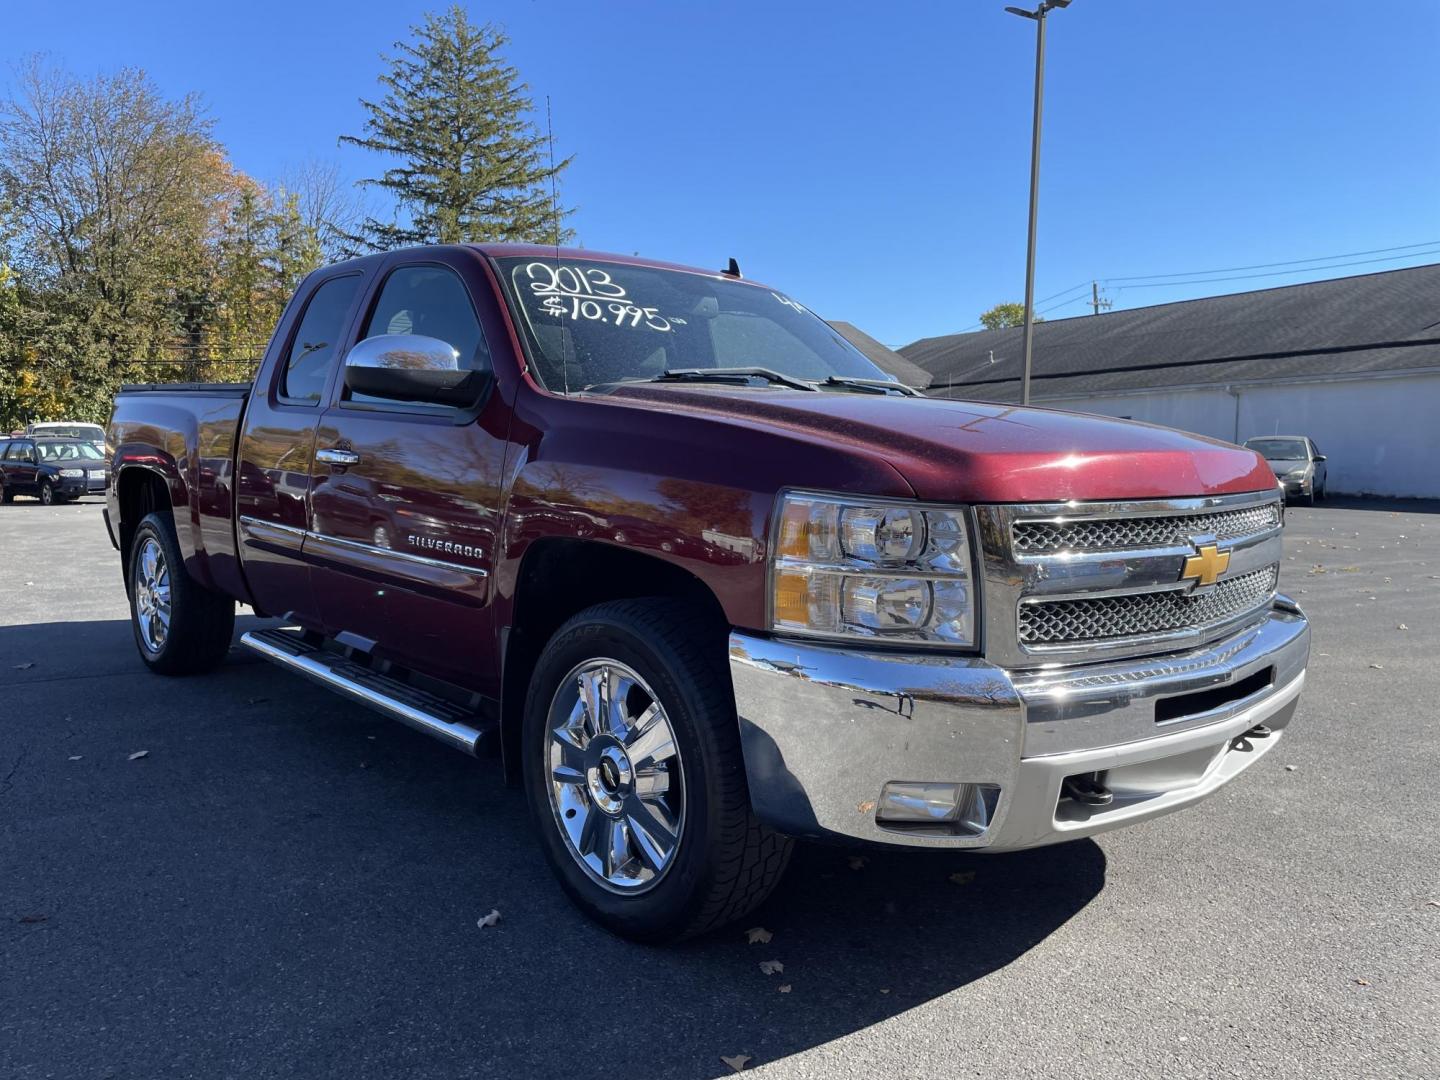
(283, 885)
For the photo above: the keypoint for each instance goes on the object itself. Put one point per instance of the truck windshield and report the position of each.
(591, 323)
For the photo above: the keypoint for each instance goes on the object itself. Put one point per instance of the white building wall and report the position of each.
(1380, 436)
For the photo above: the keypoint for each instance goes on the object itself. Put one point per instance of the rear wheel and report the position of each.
(6, 495)
(634, 775)
(181, 627)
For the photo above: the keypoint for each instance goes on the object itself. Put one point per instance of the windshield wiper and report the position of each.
(871, 386)
(736, 375)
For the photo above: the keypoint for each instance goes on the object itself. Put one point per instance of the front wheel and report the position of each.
(634, 774)
(47, 493)
(181, 627)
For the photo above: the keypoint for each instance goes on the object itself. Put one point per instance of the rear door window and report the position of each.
(317, 340)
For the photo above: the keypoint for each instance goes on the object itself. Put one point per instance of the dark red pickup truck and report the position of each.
(704, 576)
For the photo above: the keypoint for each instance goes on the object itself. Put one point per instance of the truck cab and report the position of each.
(705, 578)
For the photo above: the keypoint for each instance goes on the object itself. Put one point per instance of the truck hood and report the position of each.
(966, 451)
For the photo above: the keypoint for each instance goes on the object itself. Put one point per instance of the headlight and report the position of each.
(844, 567)
(1297, 474)
(73, 472)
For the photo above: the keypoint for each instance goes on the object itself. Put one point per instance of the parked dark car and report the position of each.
(52, 470)
(1296, 462)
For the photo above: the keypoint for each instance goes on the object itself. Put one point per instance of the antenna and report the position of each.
(733, 270)
(555, 235)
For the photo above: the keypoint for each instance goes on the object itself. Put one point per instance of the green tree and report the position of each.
(469, 163)
(1002, 316)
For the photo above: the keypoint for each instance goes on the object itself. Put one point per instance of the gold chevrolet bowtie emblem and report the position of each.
(1206, 565)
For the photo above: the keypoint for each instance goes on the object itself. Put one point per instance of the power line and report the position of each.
(1287, 262)
(1272, 273)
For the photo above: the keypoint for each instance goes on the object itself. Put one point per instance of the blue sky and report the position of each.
(872, 159)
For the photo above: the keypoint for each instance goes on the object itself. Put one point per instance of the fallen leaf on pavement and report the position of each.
(1378, 666)
(737, 1062)
(33, 918)
(857, 862)
(138, 754)
(784, 988)
(758, 934)
(488, 920)
(76, 757)
(963, 877)
(1362, 982)
(25, 666)
(1289, 768)
(1401, 626)
(885, 990)
(771, 967)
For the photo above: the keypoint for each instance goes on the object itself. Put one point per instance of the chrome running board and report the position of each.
(425, 712)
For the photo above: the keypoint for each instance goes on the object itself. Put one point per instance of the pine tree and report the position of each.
(471, 166)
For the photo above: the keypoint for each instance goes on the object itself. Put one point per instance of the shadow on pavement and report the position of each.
(284, 885)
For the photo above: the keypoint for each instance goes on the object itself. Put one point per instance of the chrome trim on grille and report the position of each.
(1044, 537)
(1147, 561)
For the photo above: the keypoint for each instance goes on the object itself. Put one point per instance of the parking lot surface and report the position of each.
(286, 886)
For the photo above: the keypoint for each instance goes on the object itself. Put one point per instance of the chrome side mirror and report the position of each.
(411, 367)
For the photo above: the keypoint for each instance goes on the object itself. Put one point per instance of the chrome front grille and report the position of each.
(1078, 581)
(1113, 534)
(1106, 618)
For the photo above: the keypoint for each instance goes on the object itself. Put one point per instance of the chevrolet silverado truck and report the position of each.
(703, 577)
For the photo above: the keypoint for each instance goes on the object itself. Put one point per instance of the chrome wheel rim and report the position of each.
(152, 596)
(614, 776)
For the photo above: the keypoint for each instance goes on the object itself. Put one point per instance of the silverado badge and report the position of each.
(1205, 566)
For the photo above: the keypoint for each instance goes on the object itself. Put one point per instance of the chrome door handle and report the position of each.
(332, 456)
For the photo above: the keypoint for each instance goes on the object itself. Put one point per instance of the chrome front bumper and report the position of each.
(824, 728)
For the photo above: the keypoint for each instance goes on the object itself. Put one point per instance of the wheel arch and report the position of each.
(557, 579)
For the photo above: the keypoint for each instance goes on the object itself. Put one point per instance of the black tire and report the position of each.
(46, 495)
(725, 861)
(6, 495)
(201, 621)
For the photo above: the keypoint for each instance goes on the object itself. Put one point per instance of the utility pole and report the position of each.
(1095, 302)
(1038, 15)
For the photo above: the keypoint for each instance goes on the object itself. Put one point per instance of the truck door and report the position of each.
(272, 481)
(406, 496)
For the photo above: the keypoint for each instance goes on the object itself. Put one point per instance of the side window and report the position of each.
(316, 340)
(432, 301)
(16, 452)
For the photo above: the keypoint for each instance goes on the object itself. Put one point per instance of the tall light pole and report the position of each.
(1038, 15)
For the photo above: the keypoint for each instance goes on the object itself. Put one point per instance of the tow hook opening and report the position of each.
(1242, 741)
(1087, 788)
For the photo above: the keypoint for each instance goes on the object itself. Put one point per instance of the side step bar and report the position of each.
(415, 708)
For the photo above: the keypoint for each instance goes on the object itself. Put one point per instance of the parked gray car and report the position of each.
(1296, 462)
